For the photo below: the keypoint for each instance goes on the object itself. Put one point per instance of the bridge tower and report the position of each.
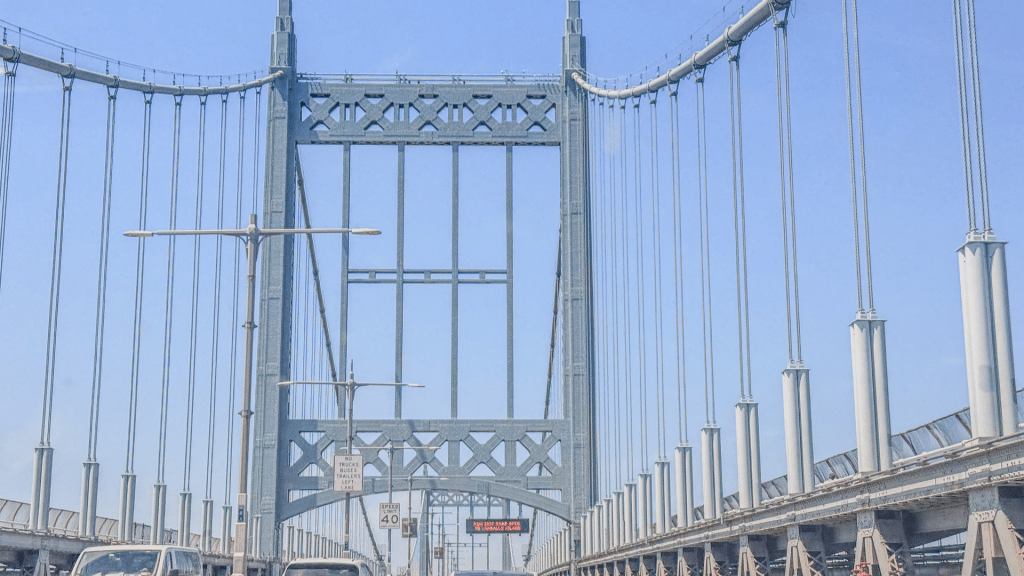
(508, 112)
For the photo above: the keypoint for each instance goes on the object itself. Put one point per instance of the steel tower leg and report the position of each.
(805, 551)
(881, 546)
(273, 355)
(993, 543)
(753, 556)
(576, 275)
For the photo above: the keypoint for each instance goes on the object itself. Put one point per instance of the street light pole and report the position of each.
(251, 236)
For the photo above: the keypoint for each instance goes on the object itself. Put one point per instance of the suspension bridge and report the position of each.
(500, 296)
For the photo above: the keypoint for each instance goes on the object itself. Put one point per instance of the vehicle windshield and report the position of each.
(324, 569)
(141, 562)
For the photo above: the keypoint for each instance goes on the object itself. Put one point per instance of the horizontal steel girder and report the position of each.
(362, 113)
(466, 460)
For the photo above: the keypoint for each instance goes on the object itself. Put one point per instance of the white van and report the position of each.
(138, 560)
(326, 567)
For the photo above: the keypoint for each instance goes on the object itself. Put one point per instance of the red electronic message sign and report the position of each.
(497, 526)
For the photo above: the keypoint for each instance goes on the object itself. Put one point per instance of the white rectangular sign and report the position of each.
(348, 472)
(390, 515)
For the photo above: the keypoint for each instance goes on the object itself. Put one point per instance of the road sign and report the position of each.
(410, 527)
(390, 515)
(497, 525)
(348, 472)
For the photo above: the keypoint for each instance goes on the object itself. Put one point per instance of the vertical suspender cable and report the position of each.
(211, 427)
(853, 169)
(677, 253)
(863, 163)
(972, 221)
(780, 24)
(101, 281)
(613, 228)
(6, 132)
(169, 294)
(659, 344)
(55, 268)
(979, 126)
(232, 372)
(705, 255)
(737, 176)
(256, 151)
(193, 337)
(792, 189)
(140, 267)
(641, 304)
(627, 306)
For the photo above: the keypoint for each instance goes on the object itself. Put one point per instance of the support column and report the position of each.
(630, 513)
(870, 393)
(618, 519)
(184, 518)
(993, 542)
(643, 505)
(796, 408)
(273, 348)
(805, 551)
(225, 529)
(90, 489)
(748, 453)
(660, 497)
(206, 537)
(39, 511)
(882, 546)
(987, 339)
(711, 457)
(126, 512)
(156, 535)
(608, 527)
(684, 485)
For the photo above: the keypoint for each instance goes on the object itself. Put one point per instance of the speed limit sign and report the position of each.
(390, 515)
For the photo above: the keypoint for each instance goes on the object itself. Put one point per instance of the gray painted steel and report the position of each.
(358, 113)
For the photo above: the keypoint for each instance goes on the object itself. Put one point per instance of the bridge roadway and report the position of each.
(23, 549)
(921, 500)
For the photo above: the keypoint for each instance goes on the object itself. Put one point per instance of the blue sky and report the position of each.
(915, 177)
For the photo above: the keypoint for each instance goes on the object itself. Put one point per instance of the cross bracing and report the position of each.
(367, 113)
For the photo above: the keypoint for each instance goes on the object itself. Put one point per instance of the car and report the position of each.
(138, 560)
(327, 567)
